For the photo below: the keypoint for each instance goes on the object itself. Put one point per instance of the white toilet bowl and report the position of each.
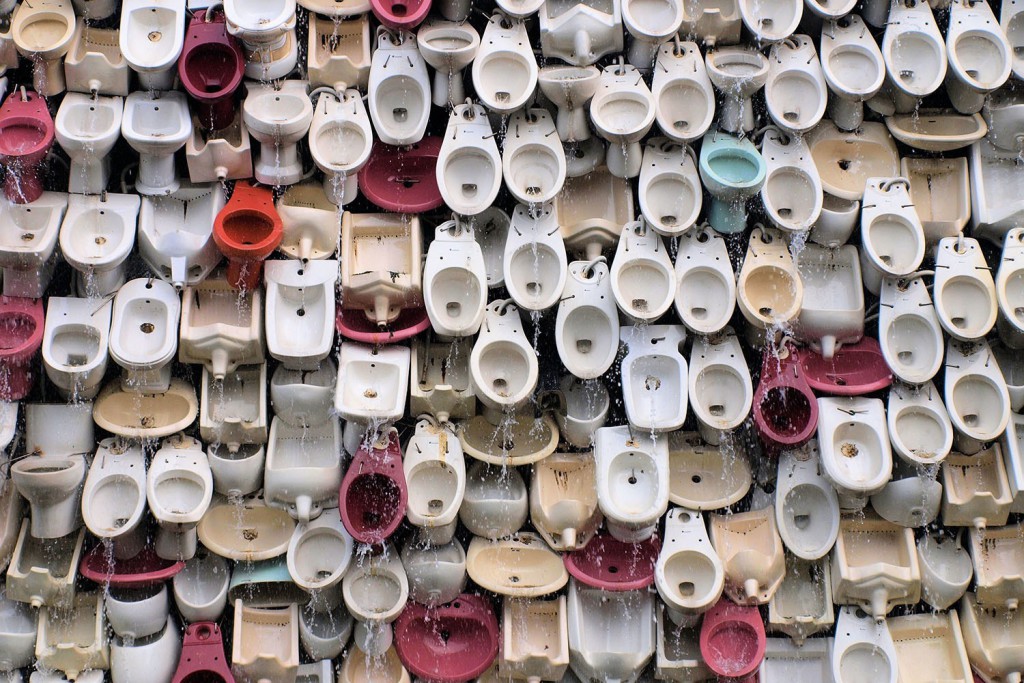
(632, 481)
(448, 47)
(176, 233)
(96, 238)
(853, 442)
(503, 365)
(43, 34)
(87, 128)
(853, 67)
(1011, 22)
(435, 471)
(670, 192)
(682, 91)
(533, 161)
(179, 488)
(642, 276)
(300, 311)
(806, 506)
(706, 285)
(912, 498)
(976, 395)
(909, 332)
(318, 557)
(587, 324)
(914, 52)
(469, 169)
(737, 73)
(570, 89)
(137, 612)
(155, 656)
(965, 294)
(455, 281)
(919, 426)
(721, 392)
(771, 22)
(688, 575)
(892, 238)
(650, 24)
(980, 56)
(622, 113)
(156, 124)
(114, 496)
(795, 92)
(376, 589)
(399, 88)
(505, 68)
(585, 410)
(792, 192)
(496, 502)
(654, 377)
(340, 140)
(152, 34)
(278, 118)
(144, 333)
(75, 345)
(536, 264)
(20, 624)
(52, 485)
(832, 311)
(1010, 290)
(863, 647)
(946, 570)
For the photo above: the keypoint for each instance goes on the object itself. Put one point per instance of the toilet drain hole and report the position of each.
(500, 386)
(454, 308)
(400, 114)
(469, 189)
(687, 589)
(681, 125)
(100, 241)
(147, 328)
(584, 345)
(844, 164)
(959, 322)
(717, 410)
(669, 220)
(802, 521)
(652, 384)
(849, 450)
(971, 419)
(639, 304)
(155, 36)
(370, 393)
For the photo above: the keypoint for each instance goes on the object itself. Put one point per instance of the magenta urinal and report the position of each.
(373, 493)
(613, 565)
(353, 324)
(450, 643)
(785, 408)
(856, 369)
(400, 15)
(202, 656)
(403, 179)
(100, 566)
(732, 640)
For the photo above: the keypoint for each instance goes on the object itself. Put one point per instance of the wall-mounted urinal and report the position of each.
(611, 635)
(43, 571)
(706, 285)
(20, 625)
(582, 410)
(785, 660)
(42, 32)
(74, 639)
(580, 33)
(238, 472)
(874, 565)
(224, 154)
(892, 237)
(587, 323)
(87, 126)
(246, 530)
(940, 192)
(535, 257)
(221, 327)
(915, 55)
(853, 442)
(996, 553)
(863, 648)
(152, 34)
(570, 89)
(909, 333)
(806, 506)
(361, 668)
(156, 124)
(592, 209)
(994, 174)
(340, 140)
(278, 118)
(175, 233)
(439, 382)
(201, 588)
(179, 488)
(802, 605)
(795, 92)
(622, 112)
(533, 160)
(732, 640)
(769, 291)
(846, 160)
(265, 643)
(309, 221)
(535, 643)
(853, 68)
(563, 500)
(642, 275)
(689, 575)
(670, 191)
(380, 264)
(654, 376)
(323, 635)
(496, 502)
(318, 557)
(96, 237)
(144, 334)
(457, 641)
(303, 469)
(792, 193)
(830, 316)
(976, 395)
(267, 33)
(521, 566)
(376, 590)
(682, 91)
(503, 365)
(234, 413)
(28, 237)
(469, 169)
(732, 171)
(930, 646)
(919, 426)
(138, 612)
(114, 496)
(75, 345)
(704, 477)
(435, 472)
(52, 485)
(979, 55)
(632, 481)
(300, 307)
(975, 488)
(719, 382)
(713, 23)
(992, 639)
(374, 493)
(946, 569)
(737, 73)
(838, 220)
(965, 293)
(338, 51)
(399, 89)
(94, 62)
(752, 554)
(1012, 441)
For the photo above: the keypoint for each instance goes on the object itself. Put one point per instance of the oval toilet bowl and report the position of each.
(642, 275)
(278, 118)
(863, 646)
(144, 333)
(435, 470)
(706, 285)
(449, 47)
(53, 488)
(587, 323)
(503, 365)
(114, 496)
(732, 171)
(26, 135)
(892, 238)
(300, 311)
(533, 161)
(830, 9)
(855, 454)
(505, 68)
(491, 231)
(785, 409)
(152, 35)
(374, 492)
(976, 395)
(318, 557)
(179, 489)
(139, 612)
(649, 25)
(42, 33)
(654, 377)
(400, 89)
(684, 96)
(721, 392)
(426, 641)
(201, 588)
(585, 410)
(454, 281)
(965, 293)
(247, 230)
(211, 68)
(737, 73)
(156, 124)
(496, 502)
(96, 238)
(340, 142)
(853, 67)
(87, 128)
(303, 471)
(806, 507)
(437, 573)
(535, 258)
(670, 192)
(1009, 284)
(376, 589)
(1011, 367)
(613, 565)
(1012, 23)
(75, 345)
(792, 193)
(919, 426)
(688, 575)
(632, 481)
(469, 168)
(909, 333)
(914, 52)
(324, 635)
(946, 570)
(980, 56)
(570, 89)
(795, 91)
(769, 290)
(622, 112)
(732, 639)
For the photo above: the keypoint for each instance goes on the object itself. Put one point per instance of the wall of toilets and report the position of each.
(602, 340)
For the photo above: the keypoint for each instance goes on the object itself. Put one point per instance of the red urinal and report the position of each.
(202, 656)
(732, 641)
(403, 179)
(26, 136)
(401, 15)
(450, 643)
(354, 325)
(145, 569)
(247, 230)
(855, 370)
(373, 493)
(785, 409)
(21, 335)
(211, 67)
(612, 565)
